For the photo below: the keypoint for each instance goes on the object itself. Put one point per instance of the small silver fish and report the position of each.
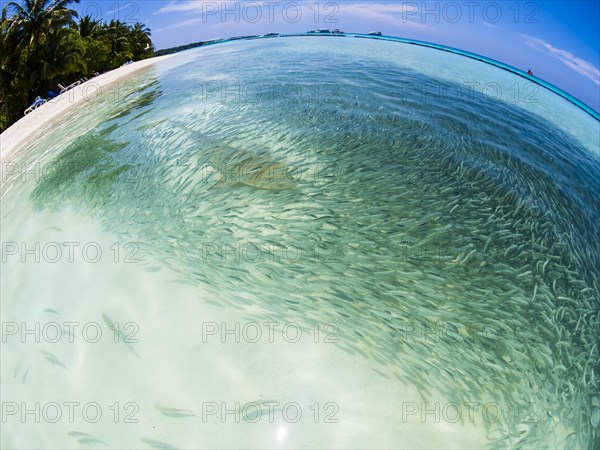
(158, 444)
(52, 358)
(595, 418)
(122, 336)
(175, 412)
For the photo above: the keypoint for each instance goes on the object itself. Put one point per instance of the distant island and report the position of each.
(182, 48)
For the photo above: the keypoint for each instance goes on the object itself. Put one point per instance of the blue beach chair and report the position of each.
(39, 101)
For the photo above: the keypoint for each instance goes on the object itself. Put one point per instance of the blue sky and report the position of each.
(558, 40)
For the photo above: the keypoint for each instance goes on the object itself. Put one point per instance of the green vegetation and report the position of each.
(181, 48)
(42, 45)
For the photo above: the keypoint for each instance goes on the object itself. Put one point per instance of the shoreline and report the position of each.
(20, 132)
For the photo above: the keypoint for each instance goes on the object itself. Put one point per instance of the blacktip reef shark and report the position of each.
(257, 169)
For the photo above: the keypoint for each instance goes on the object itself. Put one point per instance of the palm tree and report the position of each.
(32, 20)
(61, 57)
(28, 32)
(41, 45)
(6, 75)
(140, 27)
(88, 27)
(14, 90)
(115, 33)
(141, 44)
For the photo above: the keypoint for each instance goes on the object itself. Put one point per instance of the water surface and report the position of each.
(435, 243)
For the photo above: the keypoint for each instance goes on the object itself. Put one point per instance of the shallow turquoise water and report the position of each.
(446, 236)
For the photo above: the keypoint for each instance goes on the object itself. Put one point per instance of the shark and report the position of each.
(258, 169)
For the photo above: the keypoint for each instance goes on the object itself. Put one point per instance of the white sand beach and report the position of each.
(20, 132)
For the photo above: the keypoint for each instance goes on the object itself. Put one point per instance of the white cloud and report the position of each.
(183, 23)
(200, 6)
(392, 14)
(579, 65)
(400, 15)
(219, 15)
